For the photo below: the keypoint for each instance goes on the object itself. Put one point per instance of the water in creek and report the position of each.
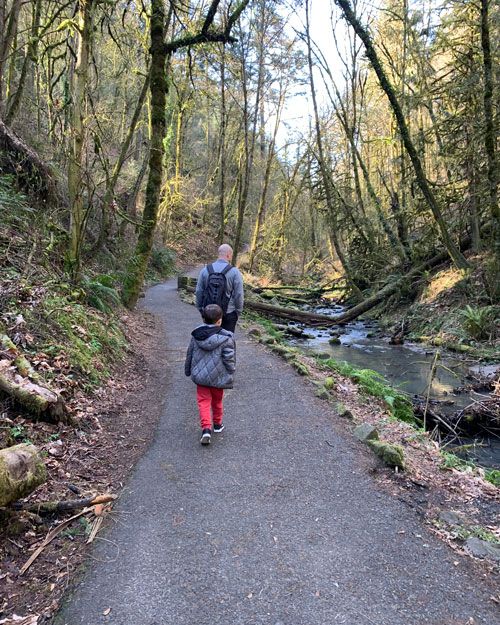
(406, 367)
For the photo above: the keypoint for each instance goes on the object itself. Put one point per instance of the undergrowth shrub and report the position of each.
(100, 293)
(11, 200)
(89, 340)
(162, 261)
(479, 323)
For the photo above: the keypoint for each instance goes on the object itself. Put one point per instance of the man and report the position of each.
(232, 305)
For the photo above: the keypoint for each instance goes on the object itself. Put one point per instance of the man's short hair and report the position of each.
(212, 313)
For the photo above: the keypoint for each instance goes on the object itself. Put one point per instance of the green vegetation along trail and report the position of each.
(278, 522)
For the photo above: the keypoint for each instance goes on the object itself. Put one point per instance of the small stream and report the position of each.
(406, 367)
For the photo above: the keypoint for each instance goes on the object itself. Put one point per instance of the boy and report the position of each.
(210, 361)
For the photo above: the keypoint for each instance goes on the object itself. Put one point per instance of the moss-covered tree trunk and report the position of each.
(222, 147)
(21, 471)
(110, 187)
(261, 210)
(30, 58)
(422, 182)
(325, 173)
(158, 88)
(489, 127)
(77, 137)
(8, 34)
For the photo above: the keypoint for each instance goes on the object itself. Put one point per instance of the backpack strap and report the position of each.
(210, 269)
(227, 268)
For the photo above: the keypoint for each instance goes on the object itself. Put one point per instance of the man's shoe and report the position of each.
(218, 427)
(206, 437)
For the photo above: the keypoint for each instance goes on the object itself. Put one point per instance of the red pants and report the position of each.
(209, 398)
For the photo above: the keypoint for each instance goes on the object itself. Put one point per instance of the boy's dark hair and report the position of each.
(212, 313)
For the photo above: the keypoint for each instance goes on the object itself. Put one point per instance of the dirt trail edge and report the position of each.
(268, 525)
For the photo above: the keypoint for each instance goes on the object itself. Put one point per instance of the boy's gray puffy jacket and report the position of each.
(211, 357)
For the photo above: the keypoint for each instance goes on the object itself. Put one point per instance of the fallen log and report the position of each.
(19, 159)
(53, 507)
(19, 380)
(293, 314)
(21, 471)
(36, 399)
(370, 302)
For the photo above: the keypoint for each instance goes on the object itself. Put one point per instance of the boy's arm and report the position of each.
(229, 355)
(189, 357)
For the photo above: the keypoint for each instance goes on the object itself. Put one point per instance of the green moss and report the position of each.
(476, 531)
(392, 455)
(372, 383)
(300, 367)
(89, 339)
(492, 476)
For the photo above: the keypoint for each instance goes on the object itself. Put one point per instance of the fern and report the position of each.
(479, 322)
(101, 296)
(163, 261)
(13, 205)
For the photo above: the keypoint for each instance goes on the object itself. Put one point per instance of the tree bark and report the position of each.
(325, 174)
(422, 182)
(249, 145)
(77, 137)
(222, 148)
(9, 34)
(38, 400)
(158, 88)
(110, 189)
(261, 210)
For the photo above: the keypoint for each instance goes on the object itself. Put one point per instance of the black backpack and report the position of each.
(215, 291)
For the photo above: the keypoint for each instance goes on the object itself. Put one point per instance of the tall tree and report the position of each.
(422, 182)
(159, 85)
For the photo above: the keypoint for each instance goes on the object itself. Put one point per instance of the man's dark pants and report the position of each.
(229, 321)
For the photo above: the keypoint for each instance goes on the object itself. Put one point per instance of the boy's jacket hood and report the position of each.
(210, 337)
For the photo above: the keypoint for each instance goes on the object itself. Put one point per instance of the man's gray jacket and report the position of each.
(234, 286)
(211, 357)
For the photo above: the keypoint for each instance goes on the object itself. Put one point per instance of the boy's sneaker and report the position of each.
(206, 437)
(218, 427)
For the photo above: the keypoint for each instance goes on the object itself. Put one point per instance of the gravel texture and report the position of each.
(277, 522)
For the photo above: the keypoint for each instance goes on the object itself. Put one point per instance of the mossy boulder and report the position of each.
(322, 393)
(334, 340)
(282, 350)
(329, 383)
(392, 455)
(366, 432)
(254, 331)
(343, 411)
(300, 367)
(267, 339)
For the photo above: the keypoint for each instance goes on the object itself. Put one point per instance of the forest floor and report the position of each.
(121, 420)
(95, 457)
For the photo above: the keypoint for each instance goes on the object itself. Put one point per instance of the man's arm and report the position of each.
(200, 287)
(238, 297)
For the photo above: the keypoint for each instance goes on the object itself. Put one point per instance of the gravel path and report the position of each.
(268, 525)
